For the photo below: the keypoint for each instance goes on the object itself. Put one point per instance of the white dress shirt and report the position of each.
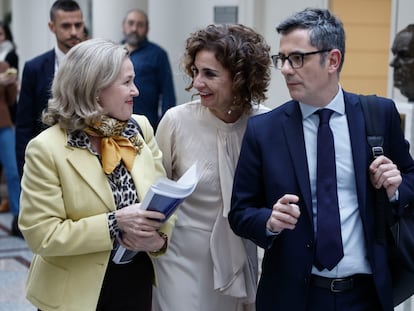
(355, 256)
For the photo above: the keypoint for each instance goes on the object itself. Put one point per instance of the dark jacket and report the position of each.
(272, 163)
(34, 94)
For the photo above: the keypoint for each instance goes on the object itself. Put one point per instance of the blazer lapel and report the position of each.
(293, 131)
(48, 69)
(49, 64)
(90, 170)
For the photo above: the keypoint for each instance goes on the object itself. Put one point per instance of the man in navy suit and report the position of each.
(66, 22)
(153, 74)
(275, 197)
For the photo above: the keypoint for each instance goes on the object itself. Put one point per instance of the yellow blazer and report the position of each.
(63, 216)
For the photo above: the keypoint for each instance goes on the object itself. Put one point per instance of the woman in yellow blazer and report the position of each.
(83, 180)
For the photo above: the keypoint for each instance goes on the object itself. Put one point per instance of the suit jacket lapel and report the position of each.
(46, 80)
(357, 133)
(293, 131)
(89, 168)
(50, 68)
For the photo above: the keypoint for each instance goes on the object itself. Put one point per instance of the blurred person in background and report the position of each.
(8, 96)
(152, 68)
(66, 22)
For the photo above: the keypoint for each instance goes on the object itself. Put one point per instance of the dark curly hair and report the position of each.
(240, 50)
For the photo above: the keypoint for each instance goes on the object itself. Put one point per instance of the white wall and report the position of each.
(29, 27)
(107, 16)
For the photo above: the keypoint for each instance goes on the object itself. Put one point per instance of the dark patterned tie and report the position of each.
(329, 249)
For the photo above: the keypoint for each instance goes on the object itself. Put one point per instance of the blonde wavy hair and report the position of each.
(88, 67)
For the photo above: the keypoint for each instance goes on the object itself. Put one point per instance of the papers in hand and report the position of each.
(164, 196)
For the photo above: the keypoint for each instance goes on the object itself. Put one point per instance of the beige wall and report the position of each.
(367, 27)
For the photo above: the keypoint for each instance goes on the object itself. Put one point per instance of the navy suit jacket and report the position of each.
(35, 92)
(273, 163)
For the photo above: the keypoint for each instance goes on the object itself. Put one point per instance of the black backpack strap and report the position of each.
(375, 140)
(383, 215)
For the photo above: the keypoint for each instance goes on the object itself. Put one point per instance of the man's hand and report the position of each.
(285, 214)
(384, 173)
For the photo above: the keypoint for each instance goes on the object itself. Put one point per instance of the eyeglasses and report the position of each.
(295, 59)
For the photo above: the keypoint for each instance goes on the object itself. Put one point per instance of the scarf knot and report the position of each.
(114, 147)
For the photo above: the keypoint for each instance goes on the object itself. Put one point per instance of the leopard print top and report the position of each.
(120, 180)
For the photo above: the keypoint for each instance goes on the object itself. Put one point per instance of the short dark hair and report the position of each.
(64, 5)
(326, 31)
